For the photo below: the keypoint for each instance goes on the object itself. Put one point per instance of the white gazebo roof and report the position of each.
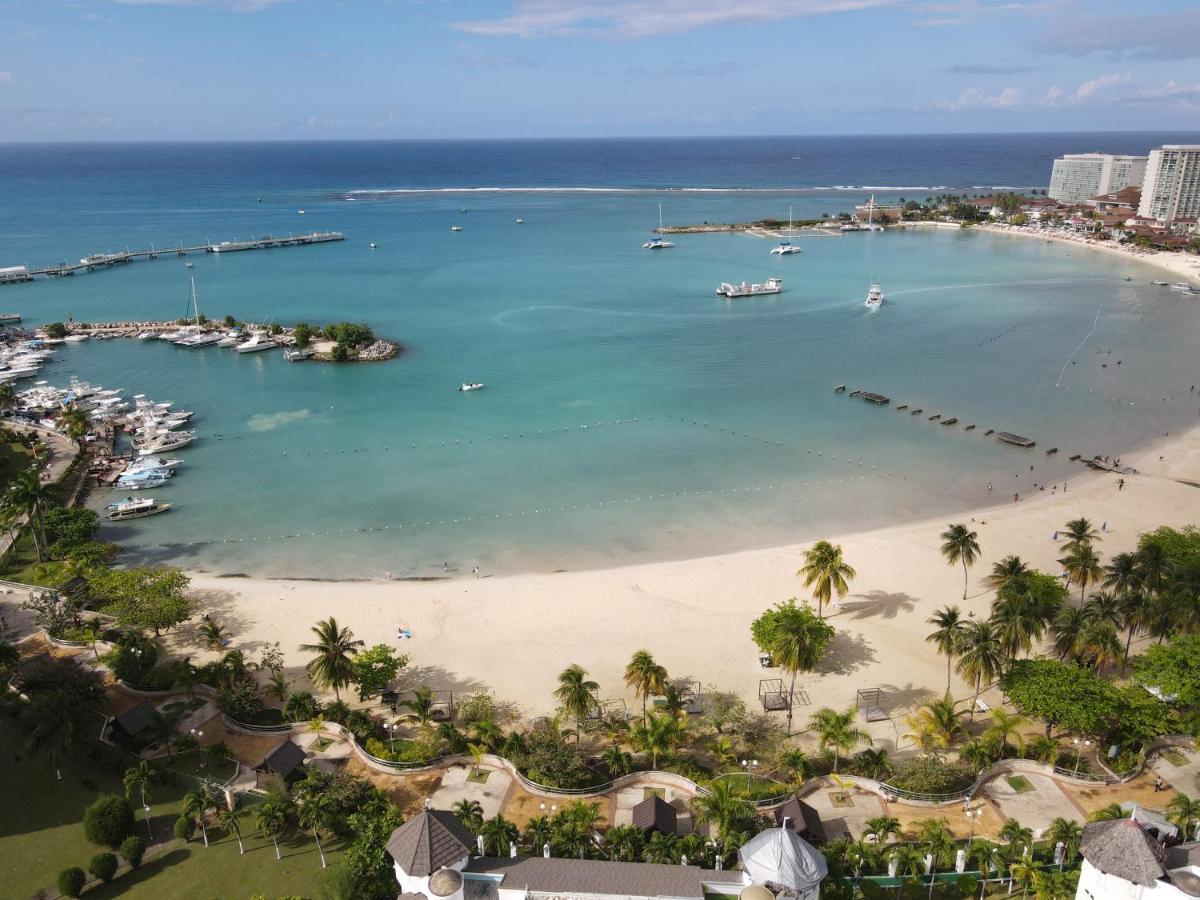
(779, 857)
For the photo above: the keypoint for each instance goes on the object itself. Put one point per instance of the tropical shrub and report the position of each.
(108, 821)
(133, 848)
(931, 775)
(71, 881)
(184, 828)
(104, 866)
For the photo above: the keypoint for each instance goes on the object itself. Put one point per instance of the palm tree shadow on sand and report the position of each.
(883, 604)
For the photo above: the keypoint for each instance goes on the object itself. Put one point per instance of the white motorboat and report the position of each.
(657, 243)
(471, 386)
(372, 245)
(456, 228)
(147, 335)
(1159, 283)
(144, 482)
(136, 508)
(1183, 287)
(75, 338)
(874, 296)
(748, 289)
(230, 340)
(786, 248)
(153, 462)
(260, 340)
(172, 440)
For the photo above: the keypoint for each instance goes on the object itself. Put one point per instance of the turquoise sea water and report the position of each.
(629, 413)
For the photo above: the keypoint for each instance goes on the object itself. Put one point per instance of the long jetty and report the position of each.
(110, 260)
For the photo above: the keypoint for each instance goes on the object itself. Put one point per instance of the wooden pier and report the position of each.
(110, 260)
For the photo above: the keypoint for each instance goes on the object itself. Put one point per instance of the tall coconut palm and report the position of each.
(470, 813)
(1104, 609)
(137, 780)
(838, 732)
(231, 820)
(659, 736)
(74, 422)
(1003, 726)
(333, 665)
(1079, 532)
(799, 643)
(948, 625)
(56, 729)
(317, 813)
(1082, 566)
(28, 494)
(1067, 832)
(935, 725)
(908, 859)
(1123, 575)
(498, 833)
(980, 657)
(826, 573)
(274, 817)
(623, 843)
(536, 835)
(646, 677)
(1007, 571)
(1067, 632)
(196, 804)
(960, 544)
(720, 807)
(1018, 622)
(576, 694)
(1153, 566)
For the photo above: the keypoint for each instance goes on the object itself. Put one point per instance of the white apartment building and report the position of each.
(1077, 177)
(1172, 183)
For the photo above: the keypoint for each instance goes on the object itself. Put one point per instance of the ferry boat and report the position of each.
(874, 296)
(746, 289)
(657, 243)
(135, 508)
(471, 386)
(260, 340)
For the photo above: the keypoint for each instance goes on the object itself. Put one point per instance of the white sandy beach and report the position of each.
(514, 634)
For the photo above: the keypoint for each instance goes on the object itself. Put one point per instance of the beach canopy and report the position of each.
(780, 859)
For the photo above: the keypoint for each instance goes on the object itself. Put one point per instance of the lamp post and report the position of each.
(1078, 750)
(391, 730)
(748, 767)
(197, 734)
(972, 817)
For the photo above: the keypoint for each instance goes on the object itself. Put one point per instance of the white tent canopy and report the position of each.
(780, 859)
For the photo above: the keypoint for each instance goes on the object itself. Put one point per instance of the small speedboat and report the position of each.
(874, 297)
(520, 221)
(1159, 283)
(471, 386)
(136, 508)
(372, 245)
(456, 228)
(75, 338)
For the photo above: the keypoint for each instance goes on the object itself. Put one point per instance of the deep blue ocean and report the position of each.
(629, 413)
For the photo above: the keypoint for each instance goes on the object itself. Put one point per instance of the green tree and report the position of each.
(71, 881)
(659, 736)
(274, 817)
(1003, 727)
(646, 677)
(230, 820)
(936, 725)
(1082, 566)
(317, 814)
(623, 843)
(826, 573)
(948, 625)
(1063, 695)
(800, 641)
(576, 695)
(721, 808)
(498, 833)
(214, 634)
(1067, 832)
(1018, 623)
(303, 334)
(28, 494)
(133, 848)
(196, 804)
(108, 821)
(375, 668)
(470, 813)
(144, 597)
(1185, 813)
(333, 665)
(137, 780)
(56, 331)
(960, 544)
(1173, 668)
(1079, 532)
(980, 657)
(74, 422)
(838, 732)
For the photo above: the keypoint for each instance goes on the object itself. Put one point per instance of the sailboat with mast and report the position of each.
(657, 243)
(786, 248)
(195, 335)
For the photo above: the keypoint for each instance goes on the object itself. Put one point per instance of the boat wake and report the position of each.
(272, 421)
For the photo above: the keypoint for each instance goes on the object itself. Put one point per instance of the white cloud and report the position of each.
(974, 98)
(1184, 95)
(5, 77)
(539, 18)
(1093, 89)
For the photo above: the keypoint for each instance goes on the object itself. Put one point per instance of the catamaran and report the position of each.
(470, 386)
(658, 243)
(786, 248)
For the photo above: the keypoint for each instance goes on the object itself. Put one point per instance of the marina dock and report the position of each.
(92, 262)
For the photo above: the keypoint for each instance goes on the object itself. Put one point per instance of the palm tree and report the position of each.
(75, 422)
(948, 626)
(1053, 884)
(1042, 748)
(420, 708)
(1018, 623)
(1007, 571)
(617, 761)
(274, 816)
(977, 753)
(838, 731)
(1005, 725)
(826, 573)
(873, 764)
(646, 677)
(28, 494)
(56, 729)
(8, 396)
(213, 633)
(720, 806)
(659, 736)
(1183, 811)
(1066, 832)
(623, 843)
(960, 544)
(909, 860)
(1067, 631)
(936, 724)
(576, 694)
(797, 647)
(1153, 565)
(278, 687)
(470, 813)
(880, 828)
(980, 657)
(196, 804)
(498, 833)
(1104, 608)
(1109, 813)
(1123, 574)
(935, 834)
(794, 761)
(1079, 532)
(230, 820)
(660, 848)
(316, 813)
(137, 780)
(537, 834)
(332, 666)
(1082, 566)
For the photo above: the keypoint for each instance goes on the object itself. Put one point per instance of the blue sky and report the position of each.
(288, 69)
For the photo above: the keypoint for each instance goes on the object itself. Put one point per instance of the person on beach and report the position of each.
(1016, 497)
(446, 567)
(477, 571)
(1120, 484)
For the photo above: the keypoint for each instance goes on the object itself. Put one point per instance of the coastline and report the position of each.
(514, 634)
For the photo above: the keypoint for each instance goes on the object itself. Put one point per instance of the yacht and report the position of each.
(874, 296)
(136, 508)
(456, 228)
(143, 481)
(172, 440)
(260, 340)
(230, 340)
(75, 338)
(471, 386)
(1159, 283)
(786, 248)
(747, 289)
(657, 243)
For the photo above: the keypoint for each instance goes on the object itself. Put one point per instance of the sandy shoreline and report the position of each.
(514, 634)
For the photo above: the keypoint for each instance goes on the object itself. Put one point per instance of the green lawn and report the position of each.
(1019, 783)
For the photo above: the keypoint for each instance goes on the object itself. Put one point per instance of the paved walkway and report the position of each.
(1184, 778)
(1035, 808)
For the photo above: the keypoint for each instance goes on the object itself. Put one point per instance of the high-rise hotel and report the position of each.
(1078, 177)
(1171, 189)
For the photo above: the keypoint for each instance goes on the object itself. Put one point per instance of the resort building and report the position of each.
(1172, 186)
(433, 857)
(1126, 200)
(1126, 859)
(1077, 177)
